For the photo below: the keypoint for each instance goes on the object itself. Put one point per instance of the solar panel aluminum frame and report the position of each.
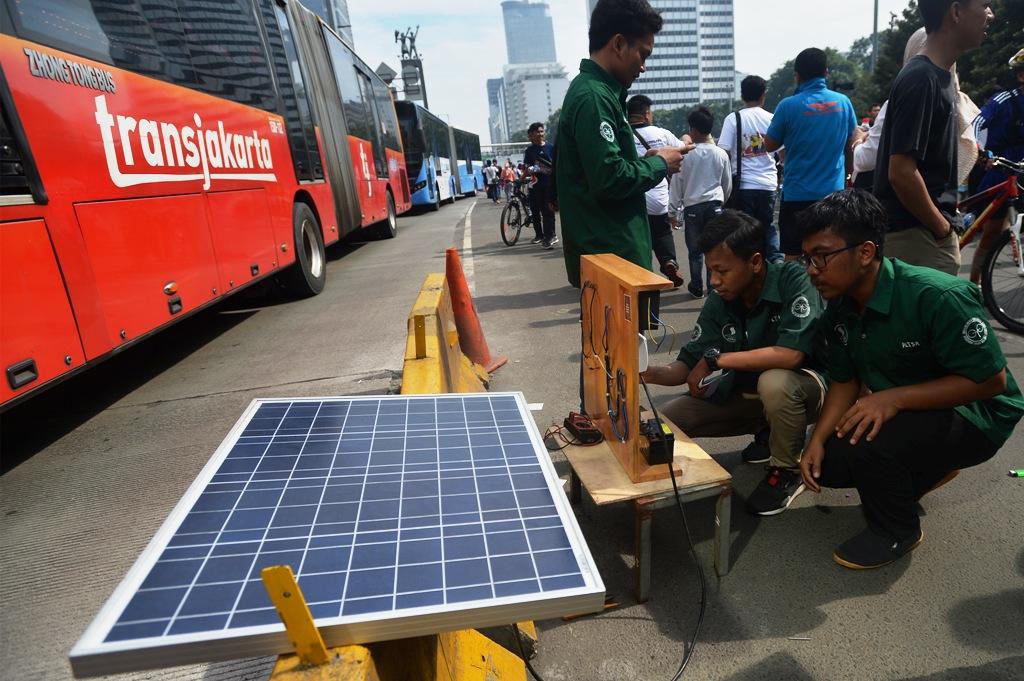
(93, 656)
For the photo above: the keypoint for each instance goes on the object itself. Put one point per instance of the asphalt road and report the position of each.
(94, 466)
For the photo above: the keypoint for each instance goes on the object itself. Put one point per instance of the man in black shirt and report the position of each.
(916, 173)
(538, 159)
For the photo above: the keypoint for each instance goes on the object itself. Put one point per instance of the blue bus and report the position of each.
(470, 163)
(428, 155)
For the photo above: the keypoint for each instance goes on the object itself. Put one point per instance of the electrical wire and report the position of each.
(665, 325)
(522, 652)
(687, 652)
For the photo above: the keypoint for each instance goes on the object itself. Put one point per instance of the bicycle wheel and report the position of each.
(1002, 283)
(511, 223)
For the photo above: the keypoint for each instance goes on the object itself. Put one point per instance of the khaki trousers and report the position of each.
(917, 246)
(786, 401)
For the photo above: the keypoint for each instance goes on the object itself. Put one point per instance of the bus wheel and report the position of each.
(388, 228)
(436, 205)
(309, 273)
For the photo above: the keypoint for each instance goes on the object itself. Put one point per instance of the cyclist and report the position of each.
(538, 158)
(999, 129)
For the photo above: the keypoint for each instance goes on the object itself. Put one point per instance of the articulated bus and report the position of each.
(158, 156)
(428, 155)
(470, 162)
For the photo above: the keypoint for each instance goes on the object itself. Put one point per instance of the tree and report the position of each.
(892, 42)
(551, 127)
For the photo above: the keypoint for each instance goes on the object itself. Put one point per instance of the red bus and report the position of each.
(156, 157)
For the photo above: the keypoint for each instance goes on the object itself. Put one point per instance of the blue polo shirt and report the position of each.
(814, 124)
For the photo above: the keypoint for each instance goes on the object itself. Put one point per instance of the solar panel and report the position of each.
(400, 516)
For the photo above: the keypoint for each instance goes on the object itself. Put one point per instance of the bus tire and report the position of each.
(308, 275)
(388, 227)
(436, 205)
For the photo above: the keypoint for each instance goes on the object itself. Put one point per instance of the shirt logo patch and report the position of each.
(801, 308)
(774, 318)
(729, 333)
(910, 345)
(697, 331)
(844, 335)
(975, 331)
(606, 131)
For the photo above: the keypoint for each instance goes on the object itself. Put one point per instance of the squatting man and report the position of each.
(919, 387)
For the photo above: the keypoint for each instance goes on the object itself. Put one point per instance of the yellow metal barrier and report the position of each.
(434, 362)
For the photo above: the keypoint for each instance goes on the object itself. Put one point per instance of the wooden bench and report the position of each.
(597, 470)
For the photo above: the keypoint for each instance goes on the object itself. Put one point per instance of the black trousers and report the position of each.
(789, 228)
(543, 216)
(913, 451)
(661, 238)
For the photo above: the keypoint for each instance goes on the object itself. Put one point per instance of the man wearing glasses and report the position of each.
(754, 359)
(939, 396)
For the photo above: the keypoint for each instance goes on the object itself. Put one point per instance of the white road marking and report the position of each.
(467, 251)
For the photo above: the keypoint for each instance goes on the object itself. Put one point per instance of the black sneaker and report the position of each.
(671, 271)
(776, 492)
(547, 245)
(869, 550)
(695, 291)
(537, 240)
(757, 451)
(554, 240)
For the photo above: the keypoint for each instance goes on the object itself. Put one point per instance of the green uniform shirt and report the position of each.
(600, 179)
(788, 315)
(921, 325)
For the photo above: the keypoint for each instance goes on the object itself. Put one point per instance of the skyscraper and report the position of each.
(533, 83)
(694, 56)
(529, 33)
(496, 120)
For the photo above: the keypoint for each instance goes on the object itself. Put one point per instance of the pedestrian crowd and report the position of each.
(839, 334)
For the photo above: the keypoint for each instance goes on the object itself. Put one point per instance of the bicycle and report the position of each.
(516, 214)
(1002, 273)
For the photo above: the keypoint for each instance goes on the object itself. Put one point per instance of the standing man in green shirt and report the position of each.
(600, 179)
(941, 397)
(760, 329)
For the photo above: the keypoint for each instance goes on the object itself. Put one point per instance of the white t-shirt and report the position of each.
(657, 198)
(758, 169)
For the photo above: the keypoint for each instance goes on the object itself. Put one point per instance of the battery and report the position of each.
(660, 442)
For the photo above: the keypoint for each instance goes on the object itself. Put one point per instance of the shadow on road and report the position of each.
(44, 418)
(1000, 670)
(554, 296)
(775, 667)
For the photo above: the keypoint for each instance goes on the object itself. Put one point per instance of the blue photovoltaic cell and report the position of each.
(378, 505)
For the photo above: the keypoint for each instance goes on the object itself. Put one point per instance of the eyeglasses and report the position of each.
(820, 260)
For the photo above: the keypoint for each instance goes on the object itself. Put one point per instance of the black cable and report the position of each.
(687, 652)
(522, 652)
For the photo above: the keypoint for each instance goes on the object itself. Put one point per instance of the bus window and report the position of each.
(147, 38)
(227, 53)
(376, 135)
(210, 45)
(386, 109)
(291, 85)
(357, 115)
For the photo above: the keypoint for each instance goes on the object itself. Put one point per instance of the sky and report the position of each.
(462, 42)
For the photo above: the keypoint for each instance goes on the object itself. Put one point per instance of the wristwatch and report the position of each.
(711, 356)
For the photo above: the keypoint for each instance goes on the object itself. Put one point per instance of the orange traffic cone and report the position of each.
(471, 335)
